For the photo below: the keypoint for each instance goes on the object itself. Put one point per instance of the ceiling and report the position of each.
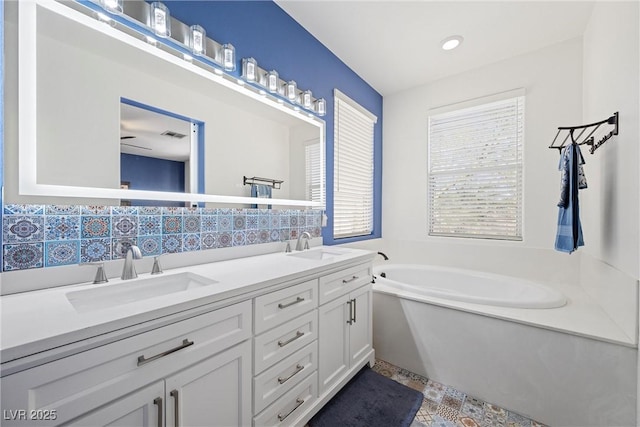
(395, 45)
(144, 133)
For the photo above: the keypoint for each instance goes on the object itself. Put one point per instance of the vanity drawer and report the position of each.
(278, 307)
(284, 340)
(337, 284)
(277, 380)
(286, 410)
(77, 384)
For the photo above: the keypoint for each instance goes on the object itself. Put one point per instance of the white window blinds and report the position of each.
(353, 169)
(475, 170)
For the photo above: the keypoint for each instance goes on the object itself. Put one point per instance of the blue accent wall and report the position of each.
(262, 30)
(148, 173)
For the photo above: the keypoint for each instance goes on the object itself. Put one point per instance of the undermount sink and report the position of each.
(318, 254)
(135, 290)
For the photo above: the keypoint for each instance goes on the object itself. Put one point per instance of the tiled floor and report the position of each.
(445, 406)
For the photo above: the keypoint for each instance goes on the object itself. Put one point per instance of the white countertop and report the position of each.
(38, 321)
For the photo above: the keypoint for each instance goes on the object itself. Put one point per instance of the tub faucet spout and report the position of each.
(129, 270)
(299, 246)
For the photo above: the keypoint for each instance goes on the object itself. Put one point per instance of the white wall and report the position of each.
(552, 79)
(611, 206)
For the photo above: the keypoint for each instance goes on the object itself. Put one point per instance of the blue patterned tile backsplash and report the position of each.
(37, 236)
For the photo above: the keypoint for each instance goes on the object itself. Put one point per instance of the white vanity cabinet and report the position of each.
(345, 324)
(206, 359)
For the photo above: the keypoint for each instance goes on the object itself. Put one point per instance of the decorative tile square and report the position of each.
(62, 253)
(92, 250)
(191, 242)
(95, 210)
(208, 240)
(150, 245)
(316, 232)
(171, 224)
(171, 243)
(62, 227)
(121, 245)
(13, 209)
(191, 223)
(208, 211)
(22, 228)
(62, 210)
(251, 237)
(96, 226)
(22, 256)
(124, 225)
(239, 222)
(252, 222)
(473, 409)
(264, 236)
(275, 235)
(517, 420)
(225, 239)
(225, 223)
(285, 221)
(208, 223)
(149, 225)
(451, 402)
(225, 211)
(447, 413)
(285, 234)
(293, 221)
(263, 222)
(239, 238)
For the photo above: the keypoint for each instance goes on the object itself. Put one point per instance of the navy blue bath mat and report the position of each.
(370, 400)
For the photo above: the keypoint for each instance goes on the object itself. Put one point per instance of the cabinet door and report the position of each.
(333, 356)
(144, 408)
(214, 392)
(361, 333)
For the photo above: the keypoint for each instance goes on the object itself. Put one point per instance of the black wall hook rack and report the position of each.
(273, 183)
(589, 139)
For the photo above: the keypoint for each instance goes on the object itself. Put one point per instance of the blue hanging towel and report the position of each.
(569, 235)
(262, 191)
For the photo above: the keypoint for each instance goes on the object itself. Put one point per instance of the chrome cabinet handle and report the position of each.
(289, 304)
(290, 340)
(185, 343)
(158, 401)
(355, 306)
(284, 380)
(350, 321)
(345, 281)
(298, 403)
(176, 417)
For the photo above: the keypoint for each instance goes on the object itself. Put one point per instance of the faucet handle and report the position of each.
(156, 269)
(287, 249)
(101, 277)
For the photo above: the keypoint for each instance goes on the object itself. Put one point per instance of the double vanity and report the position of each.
(264, 340)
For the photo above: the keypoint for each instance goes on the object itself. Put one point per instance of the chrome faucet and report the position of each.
(129, 270)
(306, 244)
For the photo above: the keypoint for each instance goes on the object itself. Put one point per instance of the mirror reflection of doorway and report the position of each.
(156, 151)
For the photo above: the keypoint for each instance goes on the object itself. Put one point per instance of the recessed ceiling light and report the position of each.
(451, 42)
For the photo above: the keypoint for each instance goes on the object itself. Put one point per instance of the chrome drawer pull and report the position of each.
(284, 380)
(345, 281)
(355, 306)
(158, 401)
(142, 360)
(350, 321)
(290, 340)
(298, 300)
(176, 406)
(298, 403)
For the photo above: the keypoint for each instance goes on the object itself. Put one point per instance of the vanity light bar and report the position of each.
(271, 82)
(136, 17)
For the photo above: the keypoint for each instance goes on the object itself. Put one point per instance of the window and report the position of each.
(475, 168)
(353, 169)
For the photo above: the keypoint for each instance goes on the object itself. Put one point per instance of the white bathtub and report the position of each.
(468, 286)
(467, 329)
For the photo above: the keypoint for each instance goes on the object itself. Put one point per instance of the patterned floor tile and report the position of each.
(445, 406)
